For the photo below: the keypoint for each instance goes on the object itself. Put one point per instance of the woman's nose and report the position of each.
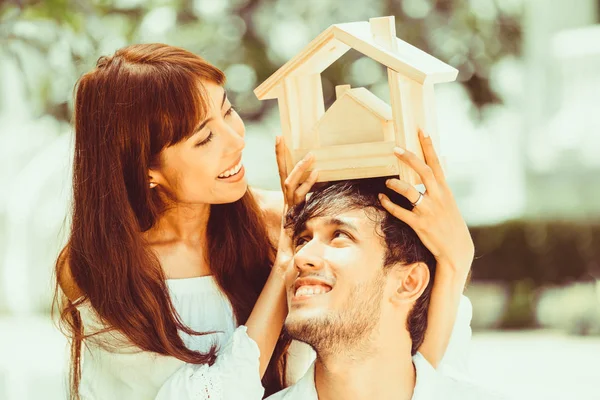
(235, 142)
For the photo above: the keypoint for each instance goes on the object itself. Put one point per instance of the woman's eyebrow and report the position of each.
(203, 124)
(224, 97)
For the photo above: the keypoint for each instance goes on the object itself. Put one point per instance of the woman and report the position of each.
(169, 257)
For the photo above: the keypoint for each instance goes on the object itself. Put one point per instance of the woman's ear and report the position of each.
(155, 178)
(410, 283)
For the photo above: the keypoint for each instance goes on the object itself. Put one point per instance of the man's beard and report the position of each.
(344, 330)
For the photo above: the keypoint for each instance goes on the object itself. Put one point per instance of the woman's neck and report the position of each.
(185, 223)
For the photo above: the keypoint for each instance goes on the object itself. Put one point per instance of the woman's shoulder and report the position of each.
(269, 200)
(65, 278)
(271, 204)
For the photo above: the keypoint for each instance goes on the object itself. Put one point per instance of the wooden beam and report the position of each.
(286, 128)
(304, 100)
(340, 90)
(319, 54)
(352, 161)
(383, 30)
(409, 60)
(403, 120)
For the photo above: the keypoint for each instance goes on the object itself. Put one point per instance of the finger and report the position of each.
(401, 213)
(280, 156)
(405, 189)
(431, 157)
(305, 187)
(293, 179)
(419, 167)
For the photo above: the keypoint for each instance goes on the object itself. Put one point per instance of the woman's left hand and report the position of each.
(435, 217)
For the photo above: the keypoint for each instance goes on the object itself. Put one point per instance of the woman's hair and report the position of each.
(127, 109)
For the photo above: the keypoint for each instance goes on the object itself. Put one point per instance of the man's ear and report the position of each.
(410, 283)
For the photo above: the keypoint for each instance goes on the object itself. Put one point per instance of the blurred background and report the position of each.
(520, 134)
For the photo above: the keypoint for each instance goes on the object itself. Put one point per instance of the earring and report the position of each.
(152, 185)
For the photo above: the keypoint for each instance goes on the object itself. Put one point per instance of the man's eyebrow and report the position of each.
(341, 223)
(203, 124)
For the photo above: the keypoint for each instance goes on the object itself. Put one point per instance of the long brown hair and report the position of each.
(127, 109)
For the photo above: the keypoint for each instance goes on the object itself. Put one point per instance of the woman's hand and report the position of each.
(294, 192)
(435, 217)
(294, 189)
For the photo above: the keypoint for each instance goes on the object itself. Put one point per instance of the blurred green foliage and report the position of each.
(253, 37)
(540, 252)
(528, 257)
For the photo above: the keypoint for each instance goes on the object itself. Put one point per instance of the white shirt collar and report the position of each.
(425, 385)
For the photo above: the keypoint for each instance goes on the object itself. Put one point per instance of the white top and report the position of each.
(429, 385)
(123, 371)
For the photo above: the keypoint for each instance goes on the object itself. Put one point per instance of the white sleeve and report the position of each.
(234, 375)
(456, 357)
(300, 358)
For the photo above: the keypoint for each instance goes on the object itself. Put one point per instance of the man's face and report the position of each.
(336, 287)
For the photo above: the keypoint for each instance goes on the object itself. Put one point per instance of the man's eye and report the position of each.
(301, 241)
(342, 235)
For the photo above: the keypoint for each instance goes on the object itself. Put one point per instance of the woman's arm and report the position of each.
(436, 218)
(271, 203)
(266, 320)
(444, 329)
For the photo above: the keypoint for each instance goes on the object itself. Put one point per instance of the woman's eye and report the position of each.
(230, 111)
(205, 141)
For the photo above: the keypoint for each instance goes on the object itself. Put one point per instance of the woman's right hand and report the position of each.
(294, 189)
(294, 192)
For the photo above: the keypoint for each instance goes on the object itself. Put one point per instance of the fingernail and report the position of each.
(425, 134)
(399, 150)
(380, 196)
(387, 182)
(308, 156)
(277, 139)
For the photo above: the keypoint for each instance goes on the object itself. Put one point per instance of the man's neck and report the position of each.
(383, 373)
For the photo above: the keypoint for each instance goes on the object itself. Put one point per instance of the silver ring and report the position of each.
(419, 200)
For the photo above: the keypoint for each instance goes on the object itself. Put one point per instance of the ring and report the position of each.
(419, 200)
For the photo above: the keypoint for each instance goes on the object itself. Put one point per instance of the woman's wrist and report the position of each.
(452, 273)
(279, 269)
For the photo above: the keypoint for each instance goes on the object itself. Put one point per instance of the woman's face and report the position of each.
(207, 167)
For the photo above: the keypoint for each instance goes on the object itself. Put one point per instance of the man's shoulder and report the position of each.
(455, 388)
(303, 389)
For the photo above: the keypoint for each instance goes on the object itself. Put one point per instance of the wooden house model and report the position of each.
(355, 137)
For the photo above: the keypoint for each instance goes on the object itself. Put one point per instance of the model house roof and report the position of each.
(336, 40)
(369, 101)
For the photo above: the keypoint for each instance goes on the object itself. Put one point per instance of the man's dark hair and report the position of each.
(402, 243)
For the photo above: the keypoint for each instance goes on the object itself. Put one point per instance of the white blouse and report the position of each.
(123, 371)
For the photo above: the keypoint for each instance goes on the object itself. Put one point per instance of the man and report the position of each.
(358, 295)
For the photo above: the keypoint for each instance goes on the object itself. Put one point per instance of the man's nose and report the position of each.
(310, 256)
